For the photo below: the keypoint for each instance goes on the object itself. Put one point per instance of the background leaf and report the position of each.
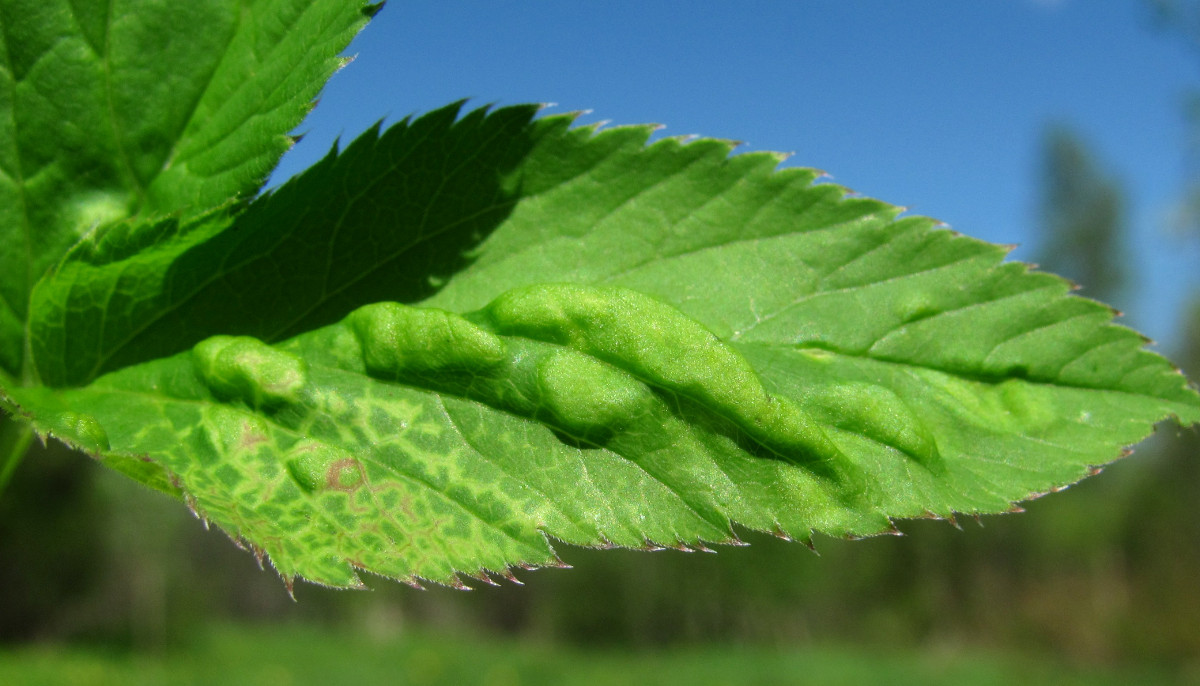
(389, 218)
(105, 113)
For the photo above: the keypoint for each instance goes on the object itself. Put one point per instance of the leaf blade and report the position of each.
(893, 333)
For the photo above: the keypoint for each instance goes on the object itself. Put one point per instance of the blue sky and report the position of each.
(937, 106)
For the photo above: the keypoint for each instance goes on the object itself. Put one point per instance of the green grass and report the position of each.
(294, 656)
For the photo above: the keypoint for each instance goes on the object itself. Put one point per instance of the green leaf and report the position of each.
(106, 112)
(646, 346)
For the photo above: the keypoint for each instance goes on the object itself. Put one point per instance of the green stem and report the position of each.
(14, 444)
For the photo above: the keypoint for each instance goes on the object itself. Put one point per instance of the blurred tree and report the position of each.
(1163, 541)
(1082, 217)
(1182, 17)
(51, 539)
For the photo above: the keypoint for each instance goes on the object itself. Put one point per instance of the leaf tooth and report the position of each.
(457, 584)
(605, 543)
(289, 582)
(778, 532)
(681, 547)
(558, 563)
(482, 575)
(650, 546)
(953, 521)
(682, 139)
(699, 547)
(807, 542)
(509, 575)
(891, 530)
(411, 582)
(259, 554)
(1015, 509)
(732, 540)
(192, 507)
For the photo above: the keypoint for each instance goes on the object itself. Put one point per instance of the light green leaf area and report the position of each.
(106, 113)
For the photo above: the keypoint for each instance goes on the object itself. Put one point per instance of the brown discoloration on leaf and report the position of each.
(346, 475)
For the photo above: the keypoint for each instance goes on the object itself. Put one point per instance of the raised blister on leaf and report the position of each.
(877, 413)
(398, 340)
(657, 343)
(82, 430)
(589, 398)
(317, 466)
(246, 369)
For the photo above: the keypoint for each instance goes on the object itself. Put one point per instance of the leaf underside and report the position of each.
(943, 379)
